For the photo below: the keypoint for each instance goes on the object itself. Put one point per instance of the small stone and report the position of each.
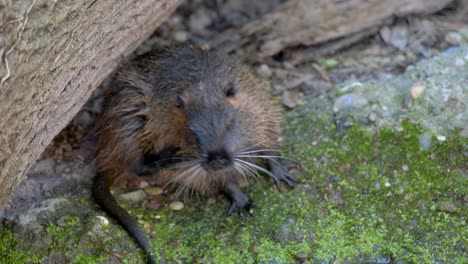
(152, 205)
(377, 186)
(223, 235)
(349, 101)
(405, 167)
(387, 184)
(417, 90)
(441, 138)
(152, 190)
(176, 206)
(103, 220)
(211, 201)
(290, 98)
(425, 142)
(447, 207)
(201, 19)
(264, 71)
(454, 38)
(146, 225)
(180, 36)
(135, 196)
(142, 184)
(62, 221)
(372, 117)
(459, 62)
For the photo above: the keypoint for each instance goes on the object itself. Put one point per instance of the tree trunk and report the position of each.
(53, 55)
(312, 22)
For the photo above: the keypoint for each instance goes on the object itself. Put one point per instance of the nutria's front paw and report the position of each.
(240, 203)
(239, 200)
(281, 174)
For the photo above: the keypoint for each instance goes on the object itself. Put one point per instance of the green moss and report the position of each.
(9, 253)
(363, 198)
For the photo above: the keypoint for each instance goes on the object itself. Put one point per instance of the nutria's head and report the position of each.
(213, 122)
(209, 108)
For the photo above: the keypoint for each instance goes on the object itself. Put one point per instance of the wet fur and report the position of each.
(142, 116)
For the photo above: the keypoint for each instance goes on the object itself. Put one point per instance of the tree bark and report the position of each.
(53, 55)
(312, 22)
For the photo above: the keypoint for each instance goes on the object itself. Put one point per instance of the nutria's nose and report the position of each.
(217, 160)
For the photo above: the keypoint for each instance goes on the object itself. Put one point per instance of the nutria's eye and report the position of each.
(180, 102)
(231, 91)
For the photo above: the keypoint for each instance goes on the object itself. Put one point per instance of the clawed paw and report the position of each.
(241, 204)
(281, 174)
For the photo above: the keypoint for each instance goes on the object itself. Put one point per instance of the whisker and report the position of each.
(186, 184)
(259, 150)
(248, 166)
(257, 167)
(180, 176)
(267, 157)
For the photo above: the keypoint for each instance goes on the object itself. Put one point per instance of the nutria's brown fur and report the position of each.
(206, 117)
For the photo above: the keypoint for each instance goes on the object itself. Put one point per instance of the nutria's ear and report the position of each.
(231, 90)
(180, 103)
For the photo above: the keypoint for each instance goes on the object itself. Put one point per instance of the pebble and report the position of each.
(135, 196)
(441, 138)
(152, 205)
(151, 190)
(264, 71)
(454, 38)
(103, 220)
(180, 36)
(417, 90)
(290, 98)
(405, 167)
(425, 142)
(348, 101)
(459, 62)
(142, 184)
(200, 19)
(176, 206)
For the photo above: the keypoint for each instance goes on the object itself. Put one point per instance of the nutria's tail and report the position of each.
(104, 198)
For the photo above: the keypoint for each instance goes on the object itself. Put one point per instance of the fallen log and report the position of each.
(53, 54)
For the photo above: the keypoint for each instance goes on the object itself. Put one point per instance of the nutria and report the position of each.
(188, 118)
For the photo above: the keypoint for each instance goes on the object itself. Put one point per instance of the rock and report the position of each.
(152, 205)
(201, 19)
(44, 166)
(441, 138)
(396, 36)
(264, 71)
(454, 38)
(425, 142)
(417, 90)
(286, 231)
(180, 36)
(46, 206)
(349, 101)
(135, 196)
(447, 207)
(103, 220)
(176, 206)
(290, 98)
(152, 190)
(142, 184)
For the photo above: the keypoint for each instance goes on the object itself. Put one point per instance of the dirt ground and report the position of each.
(56, 194)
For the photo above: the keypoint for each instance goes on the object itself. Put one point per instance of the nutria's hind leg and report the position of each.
(239, 200)
(280, 173)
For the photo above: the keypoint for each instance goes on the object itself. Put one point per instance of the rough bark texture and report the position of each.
(312, 22)
(53, 54)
